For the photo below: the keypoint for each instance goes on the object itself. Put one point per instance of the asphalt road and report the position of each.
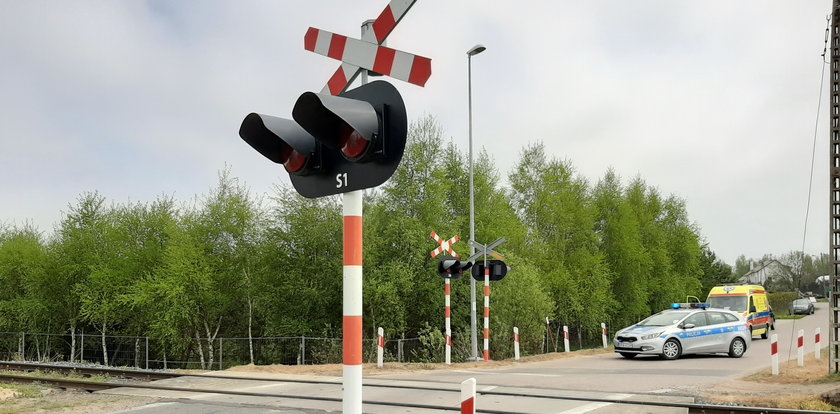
(603, 376)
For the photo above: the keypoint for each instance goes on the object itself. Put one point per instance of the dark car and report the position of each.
(801, 306)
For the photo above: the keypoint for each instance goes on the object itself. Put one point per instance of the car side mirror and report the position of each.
(687, 325)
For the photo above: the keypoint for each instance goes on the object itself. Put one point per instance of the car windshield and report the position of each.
(664, 318)
(801, 302)
(733, 303)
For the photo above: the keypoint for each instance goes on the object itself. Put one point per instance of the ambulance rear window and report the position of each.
(733, 303)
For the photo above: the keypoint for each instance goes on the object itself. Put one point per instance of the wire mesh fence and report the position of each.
(222, 353)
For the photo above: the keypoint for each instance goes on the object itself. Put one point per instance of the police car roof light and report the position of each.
(689, 305)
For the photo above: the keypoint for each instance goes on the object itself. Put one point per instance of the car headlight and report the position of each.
(651, 336)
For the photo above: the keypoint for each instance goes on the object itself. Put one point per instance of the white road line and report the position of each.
(490, 388)
(595, 405)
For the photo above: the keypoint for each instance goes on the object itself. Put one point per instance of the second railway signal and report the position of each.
(336, 144)
(498, 270)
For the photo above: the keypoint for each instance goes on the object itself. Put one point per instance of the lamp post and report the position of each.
(474, 332)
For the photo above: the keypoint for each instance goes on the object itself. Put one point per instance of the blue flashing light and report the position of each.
(689, 305)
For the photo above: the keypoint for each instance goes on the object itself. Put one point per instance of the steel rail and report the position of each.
(692, 407)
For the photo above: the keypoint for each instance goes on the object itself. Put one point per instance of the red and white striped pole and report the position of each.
(800, 348)
(468, 396)
(486, 312)
(380, 348)
(566, 339)
(516, 343)
(774, 354)
(604, 334)
(448, 326)
(817, 344)
(352, 303)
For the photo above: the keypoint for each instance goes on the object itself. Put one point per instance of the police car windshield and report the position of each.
(733, 303)
(664, 319)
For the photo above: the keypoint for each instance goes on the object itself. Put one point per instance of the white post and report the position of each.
(604, 334)
(352, 303)
(774, 354)
(516, 343)
(468, 396)
(486, 310)
(817, 344)
(448, 358)
(800, 348)
(566, 338)
(380, 348)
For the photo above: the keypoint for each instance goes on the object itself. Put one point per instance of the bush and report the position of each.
(780, 301)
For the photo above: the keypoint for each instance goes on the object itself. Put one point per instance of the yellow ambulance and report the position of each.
(748, 300)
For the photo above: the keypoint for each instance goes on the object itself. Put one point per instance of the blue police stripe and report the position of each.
(713, 331)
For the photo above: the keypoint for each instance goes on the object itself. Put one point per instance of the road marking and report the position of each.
(490, 388)
(596, 405)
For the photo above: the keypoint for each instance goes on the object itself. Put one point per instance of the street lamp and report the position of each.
(473, 319)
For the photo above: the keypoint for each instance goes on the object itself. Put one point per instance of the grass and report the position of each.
(24, 390)
(790, 316)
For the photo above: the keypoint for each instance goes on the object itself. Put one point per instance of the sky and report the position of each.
(714, 101)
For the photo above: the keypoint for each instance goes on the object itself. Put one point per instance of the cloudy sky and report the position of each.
(714, 101)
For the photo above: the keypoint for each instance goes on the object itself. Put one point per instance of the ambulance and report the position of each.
(748, 300)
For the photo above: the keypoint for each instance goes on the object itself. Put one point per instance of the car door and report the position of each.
(719, 332)
(694, 338)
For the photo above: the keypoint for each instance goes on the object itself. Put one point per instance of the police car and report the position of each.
(686, 328)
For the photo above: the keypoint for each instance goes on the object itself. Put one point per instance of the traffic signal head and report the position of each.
(498, 270)
(282, 141)
(452, 268)
(335, 144)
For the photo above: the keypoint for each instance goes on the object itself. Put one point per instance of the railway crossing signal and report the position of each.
(498, 270)
(335, 144)
(451, 268)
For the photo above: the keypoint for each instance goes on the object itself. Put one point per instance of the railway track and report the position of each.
(148, 378)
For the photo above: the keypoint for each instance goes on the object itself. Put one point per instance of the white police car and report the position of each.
(685, 329)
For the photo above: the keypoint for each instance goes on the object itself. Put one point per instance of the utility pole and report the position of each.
(834, 191)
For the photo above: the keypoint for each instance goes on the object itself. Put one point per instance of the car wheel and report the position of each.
(773, 324)
(737, 348)
(764, 335)
(812, 311)
(671, 349)
(627, 355)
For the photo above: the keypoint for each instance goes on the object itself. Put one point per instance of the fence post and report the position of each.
(82, 356)
(604, 334)
(220, 354)
(516, 343)
(774, 354)
(817, 344)
(303, 350)
(399, 350)
(22, 346)
(380, 348)
(147, 352)
(566, 338)
(300, 352)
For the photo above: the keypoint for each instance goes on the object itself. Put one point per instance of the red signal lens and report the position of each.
(292, 160)
(352, 143)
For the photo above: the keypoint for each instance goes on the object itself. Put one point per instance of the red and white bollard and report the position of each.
(448, 358)
(604, 334)
(566, 338)
(817, 344)
(774, 354)
(800, 348)
(468, 396)
(380, 348)
(486, 313)
(516, 343)
(352, 304)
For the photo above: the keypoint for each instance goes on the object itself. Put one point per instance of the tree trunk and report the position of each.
(136, 352)
(250, 336)
(211, 338)
(72, 342)
(104, 345)
(200, 349)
